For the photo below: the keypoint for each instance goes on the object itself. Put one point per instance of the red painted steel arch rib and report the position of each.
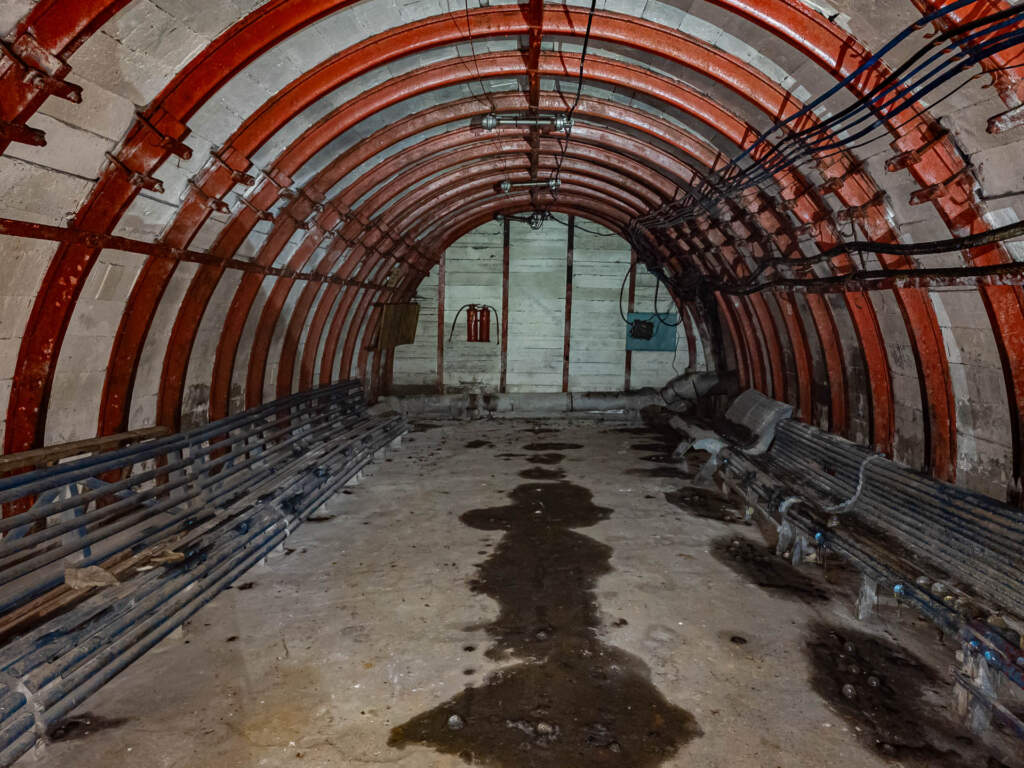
(221, 398)
(396, 163)
(437, 189)
(218, 398)
(486, 162)
(402, 208)
(45, 38)
(439, 218)
(225, 57)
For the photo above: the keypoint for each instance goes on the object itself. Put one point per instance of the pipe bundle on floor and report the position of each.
(204, 506)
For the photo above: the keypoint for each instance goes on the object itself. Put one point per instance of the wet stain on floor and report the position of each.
(82, 725)
(664, 448)
(574, 701)
(883, 691)
(479, 444)
(706, 503)
(551, 446)
(682, 472)
(540, 473)
(761, 566)
(545, 458)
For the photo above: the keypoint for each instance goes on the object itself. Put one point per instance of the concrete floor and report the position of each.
(362, 625)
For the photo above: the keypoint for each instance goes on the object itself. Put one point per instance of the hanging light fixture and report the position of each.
(558, 122)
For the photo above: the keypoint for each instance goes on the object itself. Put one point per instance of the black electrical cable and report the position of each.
(576, 101)
(657, 314)
(782, 155)
(750, 284)
(582, 228)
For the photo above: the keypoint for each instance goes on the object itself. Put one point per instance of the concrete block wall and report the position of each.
(536, 335)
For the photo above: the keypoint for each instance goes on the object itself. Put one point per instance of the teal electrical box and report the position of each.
(663, 338)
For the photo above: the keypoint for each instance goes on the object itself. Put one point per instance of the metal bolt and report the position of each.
(490, 121)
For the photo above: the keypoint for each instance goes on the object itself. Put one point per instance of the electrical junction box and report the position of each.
(662, 338)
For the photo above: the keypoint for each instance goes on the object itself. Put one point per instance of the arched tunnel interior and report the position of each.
(650, 375)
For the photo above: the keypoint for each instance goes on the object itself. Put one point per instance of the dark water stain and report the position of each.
(542, 431)
(663, 447)
(84, 724)
(479, 444)
(551, 446)
(883, 692)
(706, 503)
(510, 455)
(573, 701)
(423, 426)
(661, 458)
(545, 458)
(675, 473)
(761, 566)
(539, 473)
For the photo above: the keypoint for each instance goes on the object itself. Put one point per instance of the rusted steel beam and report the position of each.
(631, 306)
(506, 252)
(567, 334)
(34, 231)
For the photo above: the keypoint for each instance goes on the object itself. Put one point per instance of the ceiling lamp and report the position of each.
(558, 122)
(507, 186)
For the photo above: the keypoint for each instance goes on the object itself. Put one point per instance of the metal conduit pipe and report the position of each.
(295, 461)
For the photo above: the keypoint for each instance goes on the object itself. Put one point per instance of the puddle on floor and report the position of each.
(761, 566)
(706, 503)
(552, 446)
(479, 444)
(574, 701)
(664, 448)
(82, 725)
(545, 458)
(540, 473)
(888, 697)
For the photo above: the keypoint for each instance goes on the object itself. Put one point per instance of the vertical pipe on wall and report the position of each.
(440, 325)
(632, 308)
(568, 304)
(506, 250)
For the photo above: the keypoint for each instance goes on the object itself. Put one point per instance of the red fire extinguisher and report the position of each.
(478, 321)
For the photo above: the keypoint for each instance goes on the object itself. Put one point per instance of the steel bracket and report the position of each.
(213, 202)
(260, 213)
(172, 144)
(913, 156)
(22, 134)
(234, 163)
(143, 180)
(935, 191)
(859, 212)
(41, 68)
(833, 184)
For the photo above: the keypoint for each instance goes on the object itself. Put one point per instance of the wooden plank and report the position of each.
(51, 454)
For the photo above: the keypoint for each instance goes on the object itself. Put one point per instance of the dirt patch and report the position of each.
(891, 699)
(761, 566)
(574, 701)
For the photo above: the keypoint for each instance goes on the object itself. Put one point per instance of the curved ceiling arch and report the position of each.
(778, 338)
